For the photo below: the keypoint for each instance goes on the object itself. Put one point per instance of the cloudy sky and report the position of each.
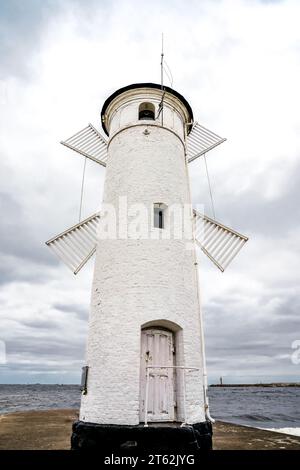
(238, 64)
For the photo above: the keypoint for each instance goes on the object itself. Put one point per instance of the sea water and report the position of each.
(273, 408)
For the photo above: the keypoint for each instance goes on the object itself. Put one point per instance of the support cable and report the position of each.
(210, 190)
(82, 188)
(168, 73)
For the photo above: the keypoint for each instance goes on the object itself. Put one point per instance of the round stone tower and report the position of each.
(145, 364)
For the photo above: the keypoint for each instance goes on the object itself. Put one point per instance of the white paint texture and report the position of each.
(138, 281)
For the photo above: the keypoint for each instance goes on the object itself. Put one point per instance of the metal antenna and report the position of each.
(162, 62)
(161, 104)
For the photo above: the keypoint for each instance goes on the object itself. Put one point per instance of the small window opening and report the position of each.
(84, 377)
(159, 215)
(147, 111)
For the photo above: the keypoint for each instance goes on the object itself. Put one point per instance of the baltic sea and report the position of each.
(274, 408)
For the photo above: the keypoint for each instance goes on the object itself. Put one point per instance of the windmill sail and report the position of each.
(76, 245)
(200, 141)
(220, 243)
(89, 143)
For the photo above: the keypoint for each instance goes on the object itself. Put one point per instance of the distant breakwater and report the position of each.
(291, 384)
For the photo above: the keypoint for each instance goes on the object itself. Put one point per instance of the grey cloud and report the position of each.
(13, 268)
(41, 323)
(252, 342)
(17, 237)
(245, 345)
(79, 310)
(21, 25)
(270, 2)
(41, 348)
(237, 337)
(253, 215)
(23, 256)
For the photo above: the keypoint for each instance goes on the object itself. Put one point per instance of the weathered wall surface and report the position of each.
(140, 280)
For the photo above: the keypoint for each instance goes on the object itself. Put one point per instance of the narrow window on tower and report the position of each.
(159, 215)
(84, 377)
(147, 111)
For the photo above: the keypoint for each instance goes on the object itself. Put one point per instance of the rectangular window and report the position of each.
(158, 216)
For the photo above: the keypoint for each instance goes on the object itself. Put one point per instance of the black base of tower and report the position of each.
(157, 438)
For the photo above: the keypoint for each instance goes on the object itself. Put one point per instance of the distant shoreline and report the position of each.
(272, 384)
(277, 384)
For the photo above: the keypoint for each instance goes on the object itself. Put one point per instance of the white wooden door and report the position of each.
(157, 349)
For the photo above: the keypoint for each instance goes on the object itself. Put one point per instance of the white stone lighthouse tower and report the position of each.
(145, 302)
(144, 380)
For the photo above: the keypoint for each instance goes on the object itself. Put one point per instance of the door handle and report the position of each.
(147, 356)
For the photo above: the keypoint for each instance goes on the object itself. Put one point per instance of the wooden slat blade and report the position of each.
(89, 143)
(76, 245)
(220, 243)
(201, 140)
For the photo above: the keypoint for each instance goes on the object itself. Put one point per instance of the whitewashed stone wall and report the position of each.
(138, 281)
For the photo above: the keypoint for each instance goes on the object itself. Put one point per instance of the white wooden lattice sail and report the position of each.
(200, 141)
(76, 245)
(220, 243)
(89, 143)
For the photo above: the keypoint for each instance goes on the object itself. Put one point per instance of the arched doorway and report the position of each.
(157, 349)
